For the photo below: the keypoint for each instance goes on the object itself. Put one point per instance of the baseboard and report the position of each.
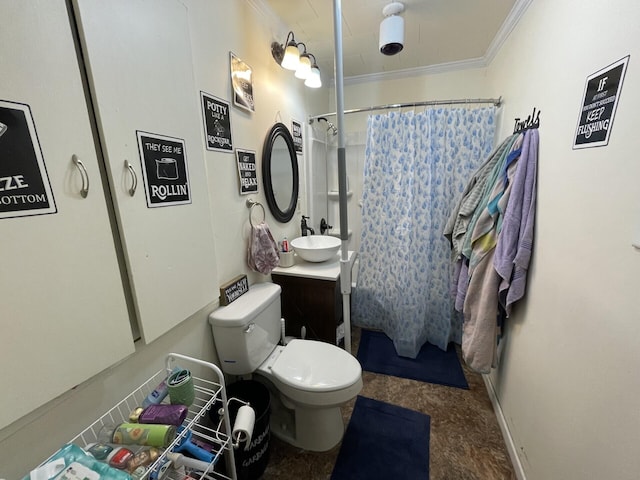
(504, 428)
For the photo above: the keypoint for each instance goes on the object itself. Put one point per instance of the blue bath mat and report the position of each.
(432, 365)
(383, 441)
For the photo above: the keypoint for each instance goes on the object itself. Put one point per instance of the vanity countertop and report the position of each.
(329, 270)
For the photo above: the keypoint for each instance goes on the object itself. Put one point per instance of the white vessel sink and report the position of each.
(316, 248)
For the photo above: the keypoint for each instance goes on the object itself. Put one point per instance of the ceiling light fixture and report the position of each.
(304, 64)
(392, 29)
(313, 80)
(288, 56)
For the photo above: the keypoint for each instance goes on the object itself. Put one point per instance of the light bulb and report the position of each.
(291, 58)
(314, 80)
(304, 67)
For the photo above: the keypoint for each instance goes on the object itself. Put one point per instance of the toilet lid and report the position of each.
(316, 366)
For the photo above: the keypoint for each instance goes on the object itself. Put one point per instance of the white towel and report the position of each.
(263, 254)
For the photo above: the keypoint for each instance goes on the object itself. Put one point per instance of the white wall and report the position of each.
(279, 97)
(568, 382)
(216, 28)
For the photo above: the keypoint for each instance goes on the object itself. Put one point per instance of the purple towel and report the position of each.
(515, 242)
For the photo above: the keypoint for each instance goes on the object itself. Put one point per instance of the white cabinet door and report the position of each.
(138, 54)
(63, 315)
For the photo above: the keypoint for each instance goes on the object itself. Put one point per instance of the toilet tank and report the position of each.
(246, 331)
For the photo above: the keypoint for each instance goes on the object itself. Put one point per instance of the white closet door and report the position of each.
(63, 316)
(140, 68)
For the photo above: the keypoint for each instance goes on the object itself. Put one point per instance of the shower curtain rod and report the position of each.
(496, 101)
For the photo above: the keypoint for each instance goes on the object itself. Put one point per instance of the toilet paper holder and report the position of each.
(242, 429)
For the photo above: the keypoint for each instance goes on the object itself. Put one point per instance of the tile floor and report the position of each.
(466, 442)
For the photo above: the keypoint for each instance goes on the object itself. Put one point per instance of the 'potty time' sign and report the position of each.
(164, 168)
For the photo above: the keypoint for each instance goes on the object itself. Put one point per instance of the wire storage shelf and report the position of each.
(198, 429)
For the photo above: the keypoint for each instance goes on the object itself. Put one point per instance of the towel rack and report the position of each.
(251, 204)
(532, 121)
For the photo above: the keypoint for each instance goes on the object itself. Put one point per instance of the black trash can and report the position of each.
(251, 463)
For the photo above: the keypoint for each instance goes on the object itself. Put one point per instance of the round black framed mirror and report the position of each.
(280, 173)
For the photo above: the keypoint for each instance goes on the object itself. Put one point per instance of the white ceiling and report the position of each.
(437, 32)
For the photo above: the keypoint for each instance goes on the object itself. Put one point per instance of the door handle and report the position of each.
(134, 178)
(84, 191)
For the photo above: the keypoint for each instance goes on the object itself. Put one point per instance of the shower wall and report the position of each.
(317, 179)
(323, 187)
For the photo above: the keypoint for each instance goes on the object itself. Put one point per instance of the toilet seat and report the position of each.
(316, 366)
(313, 372)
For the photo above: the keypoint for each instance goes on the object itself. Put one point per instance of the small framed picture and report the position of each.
(217, 123)
(600, 100)
(247, 171)
(241, 83)
(25, 189)
(296, 133)
(164, 169)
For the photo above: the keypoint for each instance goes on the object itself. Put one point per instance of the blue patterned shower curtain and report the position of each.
(416, 167)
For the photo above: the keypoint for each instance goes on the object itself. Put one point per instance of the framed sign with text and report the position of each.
(600, 100)
(217, 123)
(241, 83)
(247, 171)
(296, 133)
(233, 289)
(24, 184)
(164, 170)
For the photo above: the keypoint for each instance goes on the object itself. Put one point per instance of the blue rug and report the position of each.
(377, 354)
(384, 441)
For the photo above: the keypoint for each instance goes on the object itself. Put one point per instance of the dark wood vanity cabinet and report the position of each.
(313, 303)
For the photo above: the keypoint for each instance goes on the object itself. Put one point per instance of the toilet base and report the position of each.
(309, 428)
(316, 431)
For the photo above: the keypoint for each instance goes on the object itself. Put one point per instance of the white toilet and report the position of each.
(308, 380)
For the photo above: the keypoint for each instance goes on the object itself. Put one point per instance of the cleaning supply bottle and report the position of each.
(158, 393)
(152, 435)
(160, 414)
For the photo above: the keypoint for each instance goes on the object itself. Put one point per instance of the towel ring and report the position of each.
(252, 204)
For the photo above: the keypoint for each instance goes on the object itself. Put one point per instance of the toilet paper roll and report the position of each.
(243, 426)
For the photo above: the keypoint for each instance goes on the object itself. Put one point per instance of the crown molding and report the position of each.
(418, 71)
(516, 13)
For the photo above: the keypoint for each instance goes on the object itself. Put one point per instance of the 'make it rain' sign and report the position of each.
(601, 95)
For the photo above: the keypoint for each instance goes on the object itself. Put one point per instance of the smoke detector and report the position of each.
(392, 29)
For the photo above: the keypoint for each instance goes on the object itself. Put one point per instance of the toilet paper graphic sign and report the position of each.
(24, 184)
(164, 169)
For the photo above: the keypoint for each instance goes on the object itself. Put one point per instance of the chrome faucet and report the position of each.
(306, 229)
